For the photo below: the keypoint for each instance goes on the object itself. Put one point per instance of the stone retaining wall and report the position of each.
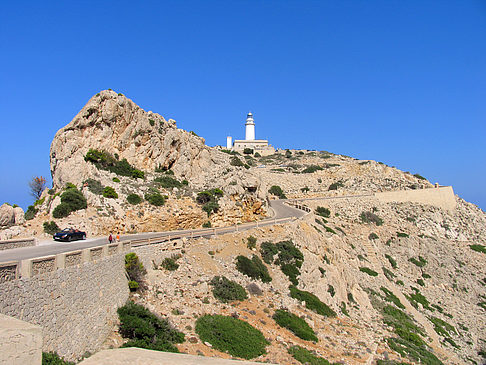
(442, 197)
(73, 296)
(24, 242)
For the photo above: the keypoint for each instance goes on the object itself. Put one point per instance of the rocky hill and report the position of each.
(377, 282)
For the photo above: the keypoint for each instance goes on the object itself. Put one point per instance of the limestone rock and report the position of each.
(19, 216)
(7, 215)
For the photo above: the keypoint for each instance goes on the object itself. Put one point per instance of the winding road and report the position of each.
(282, 213)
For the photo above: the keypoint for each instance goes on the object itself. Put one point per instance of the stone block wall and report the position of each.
(24, 242)
(72, 296)
(442, 197)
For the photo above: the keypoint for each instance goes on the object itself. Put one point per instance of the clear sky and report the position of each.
(401, 82)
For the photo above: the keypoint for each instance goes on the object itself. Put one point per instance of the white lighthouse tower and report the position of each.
(250, 128)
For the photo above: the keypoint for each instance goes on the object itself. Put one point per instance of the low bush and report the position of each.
(30, 212)
(277, 191)
(402, 234)
(235, 161)
(51, 227)
(105, 161)
(478, 248)
(323, 212)
(231, 335)
(442, 327)
(94, 186)
(295, 324)
(206, 224)
(251, 242)
(306, 357)
(253, 268)
(388, 274)
(115, 179)
(392, 261)
(417, 297)
(369, 217)
(248, 151)
(133, 285)
(390, 297)
(134, 199)
(373, 236)
(336, 185)
(109, 192)
(52, 358)
(155, 198)
(331, 291)
(419, 354)
(170, 263)
(421, 262)
(168, 182)
(268, 250)
(311, 169)
(210, 207)
(134, 268)
(311, 302)
(61, 211)
(209, 199)
(146, 330)
(420, 177)
(368, 271)
(227, 290)
(71, 200)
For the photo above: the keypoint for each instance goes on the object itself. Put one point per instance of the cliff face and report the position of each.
(113, 123)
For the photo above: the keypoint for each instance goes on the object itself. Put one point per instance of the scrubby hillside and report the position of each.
(385, 289)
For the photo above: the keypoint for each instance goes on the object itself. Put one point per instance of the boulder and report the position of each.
(7, 215)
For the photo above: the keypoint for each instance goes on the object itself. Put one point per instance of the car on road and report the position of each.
(69, 234)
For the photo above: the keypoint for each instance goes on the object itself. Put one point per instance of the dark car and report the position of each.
(69, 234)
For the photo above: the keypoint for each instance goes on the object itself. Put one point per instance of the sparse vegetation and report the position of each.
(311, 302)
(51, 227)
(145, 330)
(368, 271)
(306, 357)
(235, 161)
(478, 248)
(134, 267)
(251, 242)
(168, 182)
(169, 263)
(323, 212)
(295, 324)
(420, 262)
(209, 200)
(71, 200)
(134, 199)
(105, 161)
(231, 335)
(253, 268)
(94, 186)
(402, 234)
(373, 236)
(277, 191)
(311, 169)
(155, 198)
(392, 261)
(227, 290)
(31, 212)
(109, 192)
(336, 185)
(369, 217)
(52, 358)
(268, 250)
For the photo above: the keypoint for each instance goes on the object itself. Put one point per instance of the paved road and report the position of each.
(281, 211)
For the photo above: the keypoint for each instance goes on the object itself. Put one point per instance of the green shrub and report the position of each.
(306, 357)
(323, 212)
(330, 290)
(155, 198)
(421, 262)
(231, 335)
(388, 274)
(51, 227)
(168, 182)
(169, 263)
(419, 354)
(133, 285)
(336, 185)
(253, 268)
(235, 161)
(369, 217)
(134, 199)
(312, 168)
(268, 250)
(39, 202)
(209, 199)
(277, 191)
(146, 330)
(51, 191)
(248, 151)
(227, 290)
(207, 224)
(94, 186)
(115, 179)
(251, 242)
(478, 248)
(71, 200)
(311, 302)
(402, 234)
(257, 154)
(152, 122)
(392, 261)
(442, 327)
(417, 297)
(295, 324)
(105, 161)
(373, 236)
(420, 282)
(134, 268)
(390, 297)
(210, 207)
(109, 192)
(61, 211)
(30, 212)
(368, 271)
(52, 358)
(418, 176)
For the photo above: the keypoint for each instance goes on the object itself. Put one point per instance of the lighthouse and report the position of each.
(250, 128)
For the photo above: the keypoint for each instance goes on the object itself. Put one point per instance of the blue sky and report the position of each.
(401, 82)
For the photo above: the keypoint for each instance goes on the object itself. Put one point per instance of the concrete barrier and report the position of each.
(20, 342)
(442, 197)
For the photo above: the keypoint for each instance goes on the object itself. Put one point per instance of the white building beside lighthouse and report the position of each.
(257, 145)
